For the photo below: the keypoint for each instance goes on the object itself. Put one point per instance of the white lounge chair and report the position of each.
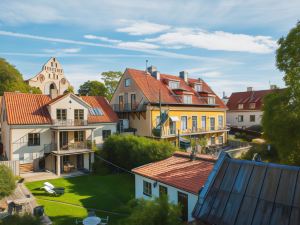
(49, 190)
(51, 186)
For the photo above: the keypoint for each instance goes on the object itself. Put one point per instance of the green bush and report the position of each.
(243, 136)
(128, 151)
(7, 181)
(262, 149)
(26, 219)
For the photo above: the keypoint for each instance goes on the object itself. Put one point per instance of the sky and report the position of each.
(231, 44)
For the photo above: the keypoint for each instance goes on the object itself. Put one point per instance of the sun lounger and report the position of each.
(58, 190)
(51, 186)
(53, 191)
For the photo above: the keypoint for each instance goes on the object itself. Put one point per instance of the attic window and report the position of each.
(96, 112)
(240, 106)
(174, 84)
(198, 87)
(127, 82)
(187, 99)
(252, 105)
(211, 100)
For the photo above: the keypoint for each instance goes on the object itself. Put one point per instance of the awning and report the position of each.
(174, 118)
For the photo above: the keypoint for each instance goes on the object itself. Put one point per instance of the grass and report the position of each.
(103, 193)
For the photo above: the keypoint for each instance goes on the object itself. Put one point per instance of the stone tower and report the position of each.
(51, 79)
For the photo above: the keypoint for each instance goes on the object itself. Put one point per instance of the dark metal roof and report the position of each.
(240, 192)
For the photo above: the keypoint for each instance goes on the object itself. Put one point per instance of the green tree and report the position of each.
(70, 89)
(111, 80)
(156, 212)
(281, 118)
(93, 88)
(12, 80)
(7, 181)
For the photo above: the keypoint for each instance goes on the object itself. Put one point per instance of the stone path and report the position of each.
(37, 176)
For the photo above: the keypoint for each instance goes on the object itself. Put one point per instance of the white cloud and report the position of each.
(217, 40)
(137, 45)
(100, 38)
(142, 27)
(62, 50)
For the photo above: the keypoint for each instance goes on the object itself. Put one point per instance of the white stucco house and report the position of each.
(54, 134)
(180, 177)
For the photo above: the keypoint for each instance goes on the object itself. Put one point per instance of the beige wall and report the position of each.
(98, 132)
(232, 118)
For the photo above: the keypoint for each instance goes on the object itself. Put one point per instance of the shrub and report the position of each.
(26, 219)
(262, 149)
(128, 151)
(7, 181)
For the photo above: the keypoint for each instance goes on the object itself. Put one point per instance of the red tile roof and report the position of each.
(180, 171)
(151, 88)
(246, 98)
(25, 108)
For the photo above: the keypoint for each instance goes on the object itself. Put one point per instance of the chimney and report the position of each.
(53, 93)
(154, 73)
(273, 86)
(183, 75)
(151, 69)
(249, 88)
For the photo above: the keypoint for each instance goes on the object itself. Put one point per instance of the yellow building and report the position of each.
(169, 107)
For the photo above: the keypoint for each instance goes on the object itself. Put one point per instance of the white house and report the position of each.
(180, 177)
(55, 134)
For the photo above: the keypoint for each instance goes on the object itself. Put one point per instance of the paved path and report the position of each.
(37, 176)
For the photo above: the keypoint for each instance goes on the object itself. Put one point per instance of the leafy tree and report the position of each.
(111, 80)
(7, 181)
(12, 80)
(281, 118)
(70, 89)
(136, 150)
(93, 88)
(156, 212)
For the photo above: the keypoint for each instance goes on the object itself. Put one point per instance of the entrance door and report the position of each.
(183, 202)
(80, 161)
(63, 140)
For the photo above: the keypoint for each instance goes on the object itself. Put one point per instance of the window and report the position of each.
(203, 122)
(33, 139)
(184, 123)
(252, 118)
(183, 202)
(133, 101)
(187, 99)
(172, 127)
(96, 112)
(240, 118)
(198, 87)
(78, 114)
(163, 190)
(127, 82)
(147, 188)
(173, 84)
(240, 106)
(194, 123)
(220, 140)
(78, 136)
(61, 114)
(106, 134)
(157, 120)
(121, 102)
(212, 140)
(220, 121)
(211, 100)
(212, 123)
(252, 105)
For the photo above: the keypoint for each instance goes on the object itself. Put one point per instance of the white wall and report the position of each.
(172, 193)
(98, 131)
(232, 118)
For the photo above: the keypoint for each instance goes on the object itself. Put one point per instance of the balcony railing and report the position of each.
(171, 132)
(128, 107)
(70, 146)
(69, 123)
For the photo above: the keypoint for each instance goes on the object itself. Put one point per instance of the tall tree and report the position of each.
(93, 88)
(281, 118)
(111, 80)
(12, 80)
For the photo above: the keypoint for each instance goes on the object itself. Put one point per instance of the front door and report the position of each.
(183, 202)
(80, 161)
(63, 140)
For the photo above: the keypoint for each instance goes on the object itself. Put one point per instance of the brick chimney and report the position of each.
(154, 73)
(249, 88)
(184, 75)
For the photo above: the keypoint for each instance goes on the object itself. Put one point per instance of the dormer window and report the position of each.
(252, 105)
(127, 82)
(174, 84)
(240, 106)
(187, 99)
(96, 112)
(211, 100)
(198, 87)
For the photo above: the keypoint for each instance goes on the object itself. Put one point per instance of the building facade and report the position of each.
(245, 108)
(50, 79)
(58, 134)
(170, 107)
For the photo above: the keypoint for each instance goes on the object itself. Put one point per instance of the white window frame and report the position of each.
(182, 124)
(127, 82)
(187, 99)
(252, 105)
(198, 87)
(147, 188)
(240, 106)
(174, 84)
(240, 118)
(211, 100)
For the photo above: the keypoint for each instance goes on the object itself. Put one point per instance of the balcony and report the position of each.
(69, 123)
(167, 132)
(128, 107)
(84, 145)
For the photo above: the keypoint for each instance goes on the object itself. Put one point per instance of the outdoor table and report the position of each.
(91, 220)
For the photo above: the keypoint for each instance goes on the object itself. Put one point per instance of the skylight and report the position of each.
(96, 112)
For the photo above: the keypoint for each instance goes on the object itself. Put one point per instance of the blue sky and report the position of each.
(230, 44)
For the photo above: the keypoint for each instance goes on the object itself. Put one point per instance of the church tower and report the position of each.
(51, 79)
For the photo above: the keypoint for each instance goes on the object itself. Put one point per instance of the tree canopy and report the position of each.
(7, 181)
(281, 118)
(93, 88)
(111, 80)
(12, 80)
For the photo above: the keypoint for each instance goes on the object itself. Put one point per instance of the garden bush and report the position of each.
(262, 149)
(7, 181)
(25, 219)
(128, 151)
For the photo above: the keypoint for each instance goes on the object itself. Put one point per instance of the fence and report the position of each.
(13, 165)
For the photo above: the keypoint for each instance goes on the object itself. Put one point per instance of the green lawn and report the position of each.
(109, 193)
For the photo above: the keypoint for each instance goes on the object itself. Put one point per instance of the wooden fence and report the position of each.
(13, 165)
